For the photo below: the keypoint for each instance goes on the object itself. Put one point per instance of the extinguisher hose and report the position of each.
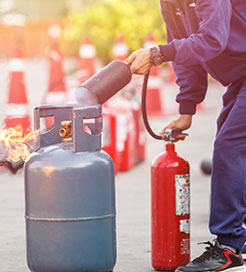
(144, 111)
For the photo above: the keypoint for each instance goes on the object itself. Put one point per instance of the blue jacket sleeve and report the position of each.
(209, 41)
(192, 81)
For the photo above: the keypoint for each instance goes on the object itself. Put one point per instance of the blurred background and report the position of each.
(48, 48)
(27, 22)
(48, 38)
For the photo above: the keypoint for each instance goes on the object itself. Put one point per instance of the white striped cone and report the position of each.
(87, 51)
(87, 59)
(154, 93)
(150, 42)
(154, 101)
(120, 49)
(16, 110)
(16, 65)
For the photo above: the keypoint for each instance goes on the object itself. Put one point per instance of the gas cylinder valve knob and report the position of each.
(66, 131)
(170, 134)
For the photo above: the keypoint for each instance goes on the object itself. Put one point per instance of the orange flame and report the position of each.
(16, 144)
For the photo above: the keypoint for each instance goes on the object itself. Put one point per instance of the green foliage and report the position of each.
(107, 19)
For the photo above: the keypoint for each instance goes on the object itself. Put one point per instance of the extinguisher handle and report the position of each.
(82, 140)
(176, 132)
(170, 134)
(60, 113)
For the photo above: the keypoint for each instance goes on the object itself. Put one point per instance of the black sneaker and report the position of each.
(215, 258)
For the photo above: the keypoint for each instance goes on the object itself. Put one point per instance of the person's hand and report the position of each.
(140, 61)
(182, 123)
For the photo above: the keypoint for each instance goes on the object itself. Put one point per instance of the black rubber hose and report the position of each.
(144, 111)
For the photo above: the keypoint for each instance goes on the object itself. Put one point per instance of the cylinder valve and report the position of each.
(66, 131)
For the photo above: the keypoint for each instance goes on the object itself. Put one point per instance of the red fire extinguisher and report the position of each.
(170, 202)
(170, 198)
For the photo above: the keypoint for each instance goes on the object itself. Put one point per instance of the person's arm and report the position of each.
(193, 82)
(209, 41)
(192, 79)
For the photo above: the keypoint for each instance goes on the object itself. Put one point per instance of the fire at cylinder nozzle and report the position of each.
(104, 84)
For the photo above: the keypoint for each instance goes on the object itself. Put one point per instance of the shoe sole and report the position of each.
(244, 256)
(237, 269)
(233, 269)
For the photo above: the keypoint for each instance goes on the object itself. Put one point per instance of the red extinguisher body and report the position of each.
(170, 200)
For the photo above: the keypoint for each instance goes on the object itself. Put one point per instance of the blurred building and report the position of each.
(41, 9)
(26, 22)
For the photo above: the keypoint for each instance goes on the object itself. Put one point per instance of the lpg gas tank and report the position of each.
(70, 195)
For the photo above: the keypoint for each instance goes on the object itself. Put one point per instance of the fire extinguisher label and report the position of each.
(184, 226)
(185, 246)
(182, 186)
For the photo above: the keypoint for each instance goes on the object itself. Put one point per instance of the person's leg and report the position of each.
(228, 203)
(228, 188)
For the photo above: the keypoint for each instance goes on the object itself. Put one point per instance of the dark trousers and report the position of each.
(228, 188)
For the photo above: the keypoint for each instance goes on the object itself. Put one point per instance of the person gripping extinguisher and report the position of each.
(208, 37)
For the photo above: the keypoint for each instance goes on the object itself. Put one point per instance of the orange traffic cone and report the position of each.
(56, 93)
(120, 49)
(87, 59)
(153, 100)
(56, 89)
(17, 112)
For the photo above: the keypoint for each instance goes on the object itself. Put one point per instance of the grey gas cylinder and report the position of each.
(70, 195)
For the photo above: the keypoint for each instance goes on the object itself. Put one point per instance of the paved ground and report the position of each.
(133, 187)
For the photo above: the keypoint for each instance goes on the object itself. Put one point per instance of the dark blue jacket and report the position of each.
(204, 36)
